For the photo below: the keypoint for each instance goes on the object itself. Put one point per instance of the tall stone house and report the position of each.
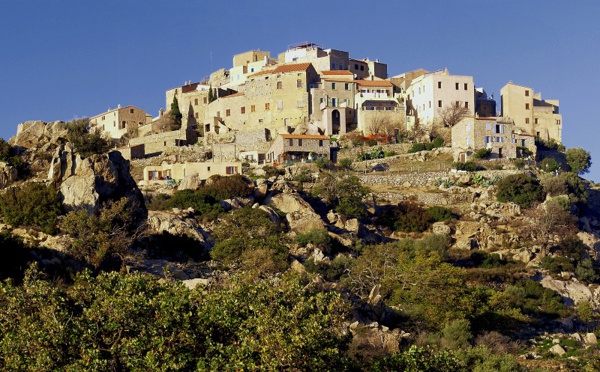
(119, 122)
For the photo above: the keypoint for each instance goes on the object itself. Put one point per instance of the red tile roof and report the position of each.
(336, 72)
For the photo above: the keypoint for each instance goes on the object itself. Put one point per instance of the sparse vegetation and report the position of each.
(86, 143)
(33, 205)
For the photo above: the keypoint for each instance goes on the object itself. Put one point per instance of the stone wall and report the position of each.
(160, 142)
(423, 179)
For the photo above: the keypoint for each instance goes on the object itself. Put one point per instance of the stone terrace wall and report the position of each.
(423, 179)
(353, 152)
(159, 142)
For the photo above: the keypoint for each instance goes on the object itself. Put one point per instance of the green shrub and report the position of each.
(371, 142)
(586, 271)
(556, 265)
(318, 237)
(202, 202)
(416, 359)
(549, 165)
(579, 160)
(344, 193)
(520, 189)
(407, 217)
(271, 171)
(519, 163)
(227, 187)
(457, 334)
(482, 154)
(322, 163)
(416, 148)
(32, 205)
(86, 143)
(438, 142)
(345, 163)
(438, 213)
(469, 166)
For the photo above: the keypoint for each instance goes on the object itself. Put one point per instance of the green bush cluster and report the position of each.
(438, 142)
(317, 237)
(345, 163)
(344, 193)
(376, 153)
(412, 217)
(549, 165)
(520, 189)
(469, 166)
(86, 143)
(33, 205)
(482, 154)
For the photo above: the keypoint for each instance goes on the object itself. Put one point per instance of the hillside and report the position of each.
(396, 263)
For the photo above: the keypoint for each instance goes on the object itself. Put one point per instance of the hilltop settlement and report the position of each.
(305, 212)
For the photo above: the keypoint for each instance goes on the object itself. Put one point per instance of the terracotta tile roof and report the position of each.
(284, 68)
(336, 72)
(373, 83)
(304, 136)
(235, 95)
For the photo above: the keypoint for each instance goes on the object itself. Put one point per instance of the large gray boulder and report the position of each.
(178, 224)
(8, 174)
(300, 215)
(37, 133)
(88, 183)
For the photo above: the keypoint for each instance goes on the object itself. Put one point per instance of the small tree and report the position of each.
(211, 95)
(176, 113)
(452, 114)
(520, 189)
(86, 143)
(33, 204)
(579, 160)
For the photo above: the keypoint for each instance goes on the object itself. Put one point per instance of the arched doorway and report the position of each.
(335, 122)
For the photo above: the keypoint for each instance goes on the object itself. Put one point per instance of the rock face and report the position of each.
(8, 174)
(179, 224)
(36, 133)
(572, 292)
(88, 183)
(300, 215)
(191, 182)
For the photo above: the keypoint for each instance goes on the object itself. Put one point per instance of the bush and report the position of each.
(322, 163)
(469, 166)
(318, 237)
(556, 265)
(201, 201)
(227, 187)
(438, 142)
(32, 205)
(86, 143)
(519, 163)
(345, 163)
(271, 171)
(407, 217)
(482, 154)
(579, 160)
(520, 189)
(416, 148)
(344, 193)
(457, 334)
(549, 165)
(438, 213)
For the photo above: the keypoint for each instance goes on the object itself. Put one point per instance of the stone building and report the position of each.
(430, 93)
(375, 99)
(120, 121)
(332, 100)
(484, 106)
(297, 147)
(495, 133)
(157, 174)
(248, 63)
(530, 112)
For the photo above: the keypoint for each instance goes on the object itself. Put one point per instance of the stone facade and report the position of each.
(120, 121)
(497, 134)
(295, 147)
(157, 143)
(162, 173)
(531, 113)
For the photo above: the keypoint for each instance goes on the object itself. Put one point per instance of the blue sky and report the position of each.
(63, 59)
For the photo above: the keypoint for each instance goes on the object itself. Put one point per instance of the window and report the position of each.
(439, 85)
(535, 120)
(208, 169)
(218, 114)
(123, 123)
(300, 142)
(487, 126)
(279, 105)
(466, 86)
(298, 83)
(320, 143)
(131, 111)
(332, 85)
(347, 86)
(362, 68)
(291, 142)
(487, 139)
(468, 127)
(499, 128)
(227, 112)
(466, 104)
(356, 66)
(429, 104)
(468, 141)
(333, 66)
(243, 109)
(439, 103)
(195, 101)
(196, 115)
(334, 102)
(419, 90)
(267, 106)
(205, 100)
(103, 118)
(230, 170)
(321, 100)
(456, 86)
(527, 106)
(252, 108)
(526, 93)
(526, 120)
(279, 85)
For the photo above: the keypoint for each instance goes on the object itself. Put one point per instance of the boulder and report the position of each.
(8, 174)
(37, 133)
(356, 227)
(300, 215)
(304, 221)
(441, 228)
(572, 292)
(175, 224)
(193, 283)
(557, 350)
(591, 339)
(191, 182)
(88, 183)
(273, 216)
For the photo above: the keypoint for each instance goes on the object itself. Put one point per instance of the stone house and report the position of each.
(530, 112)
(165, 173)
(495, 133)
(298, 147)
(120, 121)
(193, 102)
(332, 100)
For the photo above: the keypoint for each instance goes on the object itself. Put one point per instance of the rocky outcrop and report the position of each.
(300, 215)
(191, 182)
(37, 133)
(8, 174)
(572, 292)
(90, 182)
(178, 224)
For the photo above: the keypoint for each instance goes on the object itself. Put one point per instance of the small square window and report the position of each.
(279, 85)
(527, 106)
(466, 85)
(195, 101)
(456, 86)
(439, 85)
(243, 110)
(526, 93)
(332, 85)
(298, 83)
(252, 108)
(228, 112)
(267, 106)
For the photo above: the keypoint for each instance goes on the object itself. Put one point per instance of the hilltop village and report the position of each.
(293, 108)
(305, 213)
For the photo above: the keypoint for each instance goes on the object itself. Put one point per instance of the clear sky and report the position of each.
(64, 59)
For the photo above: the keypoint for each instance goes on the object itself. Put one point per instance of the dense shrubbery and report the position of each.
(33, 205)
(482, 154)
(579, 160)
(549, 165)
(520, 189)
(345, 164)
(86, 143)
(135, 322)
(317, 237)
(412, 217)
(344, 193)
(438, 142)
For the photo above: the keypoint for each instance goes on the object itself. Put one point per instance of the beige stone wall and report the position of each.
(160, 142)
(244, 59)
(381, 121)
(177, 172)
(530, 112)
(333, 93)
(298, 144)
(118, 122)
(193, 104)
